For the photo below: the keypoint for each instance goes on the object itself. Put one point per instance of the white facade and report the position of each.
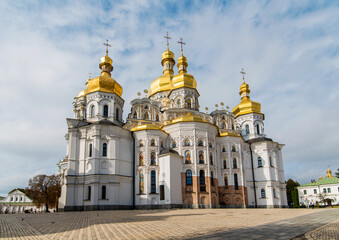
(167, 153)
(18, 202)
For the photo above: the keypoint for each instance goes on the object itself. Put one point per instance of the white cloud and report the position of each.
(288, 49)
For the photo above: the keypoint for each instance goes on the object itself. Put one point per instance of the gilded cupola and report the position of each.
(183, 79)
(104, 83)
(163, 83)
(246, 105)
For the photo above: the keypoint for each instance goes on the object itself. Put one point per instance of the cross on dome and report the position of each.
(243, 74)
(107, 45)
(167, 38)
(181, 43)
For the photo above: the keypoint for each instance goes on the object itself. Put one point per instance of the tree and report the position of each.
(292, 192)
(337, 173)
(44, 190)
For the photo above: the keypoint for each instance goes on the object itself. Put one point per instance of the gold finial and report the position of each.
(146, 92)
(222, 105)
(216, 105)
(89, 75)
(181, 43)
(107, 45)
(167, 37)
(227, 107)
(329, 173)
(243, 74)
(139, 94)
(206, 108)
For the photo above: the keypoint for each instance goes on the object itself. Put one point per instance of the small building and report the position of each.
(18, 202)
(324, 191)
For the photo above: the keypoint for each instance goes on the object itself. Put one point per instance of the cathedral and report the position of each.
(167, 153)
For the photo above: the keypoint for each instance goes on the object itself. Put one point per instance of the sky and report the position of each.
(288, 49)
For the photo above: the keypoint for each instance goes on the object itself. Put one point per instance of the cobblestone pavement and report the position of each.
(165, 224)
(286, 229)
(328, 232)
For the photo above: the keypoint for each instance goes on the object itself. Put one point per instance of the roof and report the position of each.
(324, 181)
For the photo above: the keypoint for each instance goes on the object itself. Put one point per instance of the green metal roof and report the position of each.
(324, 181)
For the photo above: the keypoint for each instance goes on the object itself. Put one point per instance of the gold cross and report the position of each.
(243, 74)
(167, 37)
(89, 75)
(181, 43)
(107, 45)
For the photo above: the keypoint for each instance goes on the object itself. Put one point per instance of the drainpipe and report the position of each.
(253, 179)
(133, 170)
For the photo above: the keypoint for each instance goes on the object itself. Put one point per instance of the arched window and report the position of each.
(233, 149)
(259, 162)
(236, 182)
(235, 163)
(189, 103)
(106, 111)
(153, 158)
(92, 111)
(141, 143)
(152, 181)
(188, 177)
(226, 180)
(187, 157)
(223, 149)
(247, 129)
(274, 193)
(225, 163)
(103, 192)
(146, 117)
(263, 193)
(89, 193)
(211, 159)
(223, 117)
(135, 115)
(146, 107)
(187, 142)
(202, 177)
(157, 117)
(271, 163)
(90, 150)
(179, 103)
(212, 182)
(258, 129)
(232, 126)
(152, 142)
(141, 182)
(210, 145)
(104, 150)
(200, 143)
(201, 157)
(223, 125)
(141, 159)
(117, 114)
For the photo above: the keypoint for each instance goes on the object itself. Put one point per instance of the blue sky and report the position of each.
(289, 50)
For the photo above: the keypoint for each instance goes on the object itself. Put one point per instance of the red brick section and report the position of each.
(230, 196)
(191, 194)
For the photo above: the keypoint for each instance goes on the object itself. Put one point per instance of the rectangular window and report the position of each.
(305, 192)
(153, 182)
(329, 190)
(162, 192)
(324, 190)
(315, 191)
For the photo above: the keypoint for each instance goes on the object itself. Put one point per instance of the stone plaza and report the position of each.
(174, 224)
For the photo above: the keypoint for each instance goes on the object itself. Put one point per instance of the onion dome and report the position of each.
(183, 79)
(104, 83)
(163, 83)
(329, 173)
(246, 105)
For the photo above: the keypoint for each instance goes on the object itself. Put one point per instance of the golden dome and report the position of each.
(246, 105)
(104, 83)
(320, 178)
(183, 79)
(189, 118)
(163, 83)
(329, 173)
